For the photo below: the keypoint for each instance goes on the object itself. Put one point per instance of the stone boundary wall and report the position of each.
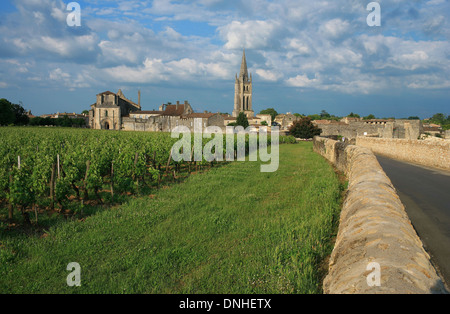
(374, 228)
(427, 153)
(447, 134)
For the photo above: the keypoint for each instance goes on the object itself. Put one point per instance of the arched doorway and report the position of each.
(106, 126)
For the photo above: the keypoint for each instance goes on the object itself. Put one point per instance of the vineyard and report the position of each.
(230, 229)
(47, 168)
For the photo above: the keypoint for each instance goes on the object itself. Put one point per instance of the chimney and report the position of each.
(139, 98)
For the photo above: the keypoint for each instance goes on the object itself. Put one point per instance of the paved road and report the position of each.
(425, 192)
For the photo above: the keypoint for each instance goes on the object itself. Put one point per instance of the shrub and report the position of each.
(288, 139)
(304, 128)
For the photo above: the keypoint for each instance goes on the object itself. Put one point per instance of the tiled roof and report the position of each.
(322, 121)
(147, 112)
(200, 115)
(107, 93)
(376, 120)
(173, 111)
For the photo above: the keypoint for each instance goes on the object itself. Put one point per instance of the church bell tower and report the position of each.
(243, 91)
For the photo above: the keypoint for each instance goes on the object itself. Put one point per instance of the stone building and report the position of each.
(243, 91)
(267, 118)
(432, 129)
(110, 108)
(168, 117)
(383, 128)
(286, 120)
(116, 112)
(229, 119)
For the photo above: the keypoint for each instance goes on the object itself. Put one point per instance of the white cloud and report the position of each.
(298, 48)
(58, 74)
(156, 70)
(268, 75)
(79, 79)
(302, 81)
(59, 14)
(68, 46)
(345, 56)
(435, 2)
(335, 28)
(250, 34)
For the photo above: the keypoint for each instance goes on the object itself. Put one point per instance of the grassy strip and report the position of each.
(231, 230)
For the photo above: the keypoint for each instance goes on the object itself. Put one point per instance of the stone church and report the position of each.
(243, 91)
(108, 112)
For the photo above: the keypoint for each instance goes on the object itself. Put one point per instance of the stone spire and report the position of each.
(244, 72)
(243, 90)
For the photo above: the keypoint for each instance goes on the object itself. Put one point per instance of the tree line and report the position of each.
(15, 114)
(12, 114)
(438, 118)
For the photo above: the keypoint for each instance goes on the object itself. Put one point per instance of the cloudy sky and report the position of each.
(305, 56)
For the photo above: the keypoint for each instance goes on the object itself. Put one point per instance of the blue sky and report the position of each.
(305, 56)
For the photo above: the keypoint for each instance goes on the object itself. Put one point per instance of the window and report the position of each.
(106, 113)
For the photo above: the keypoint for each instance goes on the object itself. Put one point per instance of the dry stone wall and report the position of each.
(426, 153)
(374, 231)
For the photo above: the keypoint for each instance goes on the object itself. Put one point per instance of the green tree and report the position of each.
(369, 117)
(64, 121)
(242, 120)
(12, 113)
(438, 118)
(80, 122)
(324, 115)
(314, 117)
(414, 118)
(304, 128)
(353, 115)
(273, 113)
(48, 121)
(7, 115)
(21, 117)
(36, 121)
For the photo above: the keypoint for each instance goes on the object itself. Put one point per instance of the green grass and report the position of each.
(230, 230)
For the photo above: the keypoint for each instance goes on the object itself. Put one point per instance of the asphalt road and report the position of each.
(425, 192)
